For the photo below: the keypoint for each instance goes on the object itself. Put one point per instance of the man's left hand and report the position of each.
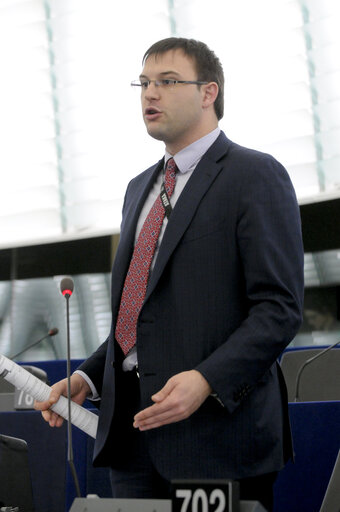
(181, 396)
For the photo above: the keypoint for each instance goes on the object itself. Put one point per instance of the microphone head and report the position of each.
(66, 286)
(53, 332)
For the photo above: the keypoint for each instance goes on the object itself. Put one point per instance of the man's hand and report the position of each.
(181, 396)
(79, 391)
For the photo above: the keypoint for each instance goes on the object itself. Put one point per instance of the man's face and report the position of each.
(174, 115)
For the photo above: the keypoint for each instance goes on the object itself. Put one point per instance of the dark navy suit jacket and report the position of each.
(225, 298)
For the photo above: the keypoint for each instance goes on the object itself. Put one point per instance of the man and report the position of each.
(188, 379)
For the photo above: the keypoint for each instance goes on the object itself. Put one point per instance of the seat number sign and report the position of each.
(23, 400)
(205, 496)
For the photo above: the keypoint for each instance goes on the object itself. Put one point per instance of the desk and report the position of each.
(299, 488)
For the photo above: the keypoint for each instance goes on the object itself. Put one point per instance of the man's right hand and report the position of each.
(79, 391)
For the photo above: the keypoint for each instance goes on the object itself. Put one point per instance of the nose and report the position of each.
(152, 91)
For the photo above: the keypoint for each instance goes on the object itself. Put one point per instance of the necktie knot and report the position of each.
(171, 165)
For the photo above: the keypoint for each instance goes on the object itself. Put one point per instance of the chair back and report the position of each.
(15, 477)
(319, 380)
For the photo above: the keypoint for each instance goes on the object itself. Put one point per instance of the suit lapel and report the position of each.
(198, 184)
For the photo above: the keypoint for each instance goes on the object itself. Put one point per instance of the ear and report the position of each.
(209, 92)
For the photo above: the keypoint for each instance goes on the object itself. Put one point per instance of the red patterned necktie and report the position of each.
(137, 276)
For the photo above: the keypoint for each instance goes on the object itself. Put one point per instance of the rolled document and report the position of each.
(22, 379)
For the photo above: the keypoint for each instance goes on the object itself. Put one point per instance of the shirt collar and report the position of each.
(187, 159)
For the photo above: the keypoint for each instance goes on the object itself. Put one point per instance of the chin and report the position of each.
(156, 134)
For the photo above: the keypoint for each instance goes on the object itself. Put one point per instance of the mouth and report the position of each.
(152, 113)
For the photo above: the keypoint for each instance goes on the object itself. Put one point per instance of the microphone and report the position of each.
(66, 288)
(307, 362)
(51, 332)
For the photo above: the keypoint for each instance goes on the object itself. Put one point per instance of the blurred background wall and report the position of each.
(71, 130)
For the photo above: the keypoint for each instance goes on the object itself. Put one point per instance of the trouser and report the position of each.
(136, 477)
(142, 480)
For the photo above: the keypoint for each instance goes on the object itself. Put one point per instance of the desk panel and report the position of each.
(300, 487)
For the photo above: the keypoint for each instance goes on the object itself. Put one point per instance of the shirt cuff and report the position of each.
(94, 395)
(215, 395)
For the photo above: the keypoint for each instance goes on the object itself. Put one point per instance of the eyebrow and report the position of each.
(163, 73)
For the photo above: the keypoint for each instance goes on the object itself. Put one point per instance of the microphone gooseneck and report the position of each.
(66, 288)
(306, 363)
(51, 332)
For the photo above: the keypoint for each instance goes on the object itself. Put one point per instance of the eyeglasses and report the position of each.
(166, 83)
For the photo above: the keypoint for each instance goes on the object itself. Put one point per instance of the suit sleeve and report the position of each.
(94, 366)
(270, 247)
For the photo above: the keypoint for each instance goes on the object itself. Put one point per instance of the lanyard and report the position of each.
(165, 201)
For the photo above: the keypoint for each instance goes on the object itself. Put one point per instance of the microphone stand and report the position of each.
(69, 424)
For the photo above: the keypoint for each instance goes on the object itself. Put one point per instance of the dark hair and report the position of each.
(208, 66)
